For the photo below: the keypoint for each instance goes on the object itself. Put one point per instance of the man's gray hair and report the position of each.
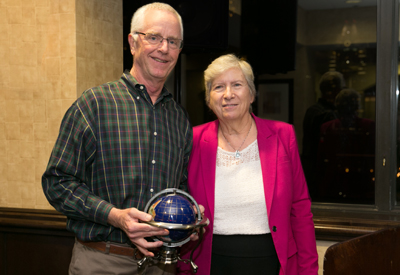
(137, 23)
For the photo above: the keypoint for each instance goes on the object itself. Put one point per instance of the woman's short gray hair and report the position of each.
(137, 23)
(224, 63)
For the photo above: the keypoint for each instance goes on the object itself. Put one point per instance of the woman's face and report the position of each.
(230, 96)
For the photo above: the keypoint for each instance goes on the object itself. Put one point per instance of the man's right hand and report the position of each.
(128, 220)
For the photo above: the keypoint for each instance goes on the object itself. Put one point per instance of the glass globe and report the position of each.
(173, 209)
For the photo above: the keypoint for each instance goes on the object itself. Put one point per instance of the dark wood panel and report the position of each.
(32, 218)
(2, 253)
(34, 242)
(37, 254)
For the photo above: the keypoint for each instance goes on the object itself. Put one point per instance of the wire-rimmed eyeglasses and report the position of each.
(173, 43)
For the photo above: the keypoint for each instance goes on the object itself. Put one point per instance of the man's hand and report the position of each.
(195, 235)
(128, 220)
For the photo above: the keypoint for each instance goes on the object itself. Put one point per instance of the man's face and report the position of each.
(153, 63)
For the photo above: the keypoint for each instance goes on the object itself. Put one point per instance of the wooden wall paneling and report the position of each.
(2, 254)
(34, 242)
(37, 254)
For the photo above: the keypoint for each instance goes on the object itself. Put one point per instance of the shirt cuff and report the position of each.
(101, 210)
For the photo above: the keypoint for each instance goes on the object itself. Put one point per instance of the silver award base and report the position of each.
(169, 255)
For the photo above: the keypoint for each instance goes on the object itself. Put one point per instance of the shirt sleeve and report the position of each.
(65, 180)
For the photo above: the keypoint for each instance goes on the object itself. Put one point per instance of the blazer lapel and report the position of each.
(209, 146)
(268, 148)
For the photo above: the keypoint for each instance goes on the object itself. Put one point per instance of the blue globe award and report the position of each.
(173, 209)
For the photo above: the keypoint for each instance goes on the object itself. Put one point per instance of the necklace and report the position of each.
(237, 154)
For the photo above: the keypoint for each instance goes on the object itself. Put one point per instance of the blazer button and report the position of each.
(274, 228)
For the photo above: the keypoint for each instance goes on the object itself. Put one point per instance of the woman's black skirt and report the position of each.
(244, 254)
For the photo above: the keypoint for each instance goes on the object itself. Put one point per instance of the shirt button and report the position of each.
(151, 190)
(274, 228)
(138, 98)
(141, 87)
(153, 161)
(155, 133)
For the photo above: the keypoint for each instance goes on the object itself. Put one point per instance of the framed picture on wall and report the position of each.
(275, 99)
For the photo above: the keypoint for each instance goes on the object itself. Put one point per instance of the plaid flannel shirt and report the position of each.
(116, 149)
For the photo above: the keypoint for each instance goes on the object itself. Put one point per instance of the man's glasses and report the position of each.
(154, 39)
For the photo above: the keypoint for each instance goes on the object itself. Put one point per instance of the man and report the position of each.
(331, 83)
(119, 144)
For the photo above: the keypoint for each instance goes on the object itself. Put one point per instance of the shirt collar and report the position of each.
(135, 86)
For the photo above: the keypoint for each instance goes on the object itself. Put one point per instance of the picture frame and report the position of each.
(275, 99)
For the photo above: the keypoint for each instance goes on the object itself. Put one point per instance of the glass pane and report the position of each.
(337, 60)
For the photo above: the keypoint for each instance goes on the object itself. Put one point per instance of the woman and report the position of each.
(246, 172)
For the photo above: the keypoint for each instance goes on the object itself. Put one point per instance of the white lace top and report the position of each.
(239, 193)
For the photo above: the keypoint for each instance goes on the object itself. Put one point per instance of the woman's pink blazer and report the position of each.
(286, 195)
